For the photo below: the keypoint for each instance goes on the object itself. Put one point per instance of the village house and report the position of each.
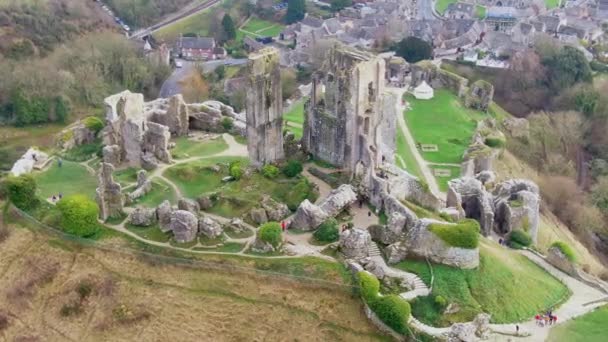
(199, 48)
(460, 10)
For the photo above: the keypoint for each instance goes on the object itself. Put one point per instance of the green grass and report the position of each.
(296, 114)
(443, 181)
(591, 327)
(443, 121)
(160, 191)
(256, 27)
(69, 179)
(126, 176)
(552, 3)
(464, 234)
(480, 12)
(442, 5)
(405, 157)
(152, 233)
(198, 24)
(196, 178)
(506, 285)
(187, 148)
(238, 235)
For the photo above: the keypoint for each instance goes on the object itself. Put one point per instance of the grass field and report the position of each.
(196, 178)
(442, 5)
(152, 233)
(295, 118)
(592, 327)
(405, 157)
(126, 176)
(443, 121)
(69, 179)
(186, 148)
(443, 181)
(197, 24)
(506, 285)
(255, 27)
(480, 11)
(16, 141)
(552, 3)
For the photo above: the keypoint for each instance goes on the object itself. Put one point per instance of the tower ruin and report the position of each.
(264, 108)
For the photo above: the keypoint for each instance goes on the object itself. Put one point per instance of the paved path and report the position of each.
(424, 168)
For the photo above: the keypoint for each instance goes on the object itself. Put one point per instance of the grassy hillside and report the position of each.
(591, 327)
(507, 285)
(90, 294)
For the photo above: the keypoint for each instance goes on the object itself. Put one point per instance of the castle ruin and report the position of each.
(264, 108)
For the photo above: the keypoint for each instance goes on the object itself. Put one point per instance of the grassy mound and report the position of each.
(160, 191)
(567, 250)
(197, 177)
(506, 285)
(464, 234)
(589, 328)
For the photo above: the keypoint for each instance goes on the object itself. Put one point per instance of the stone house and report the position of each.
(501, 18)
(523, 33)
(199, 48)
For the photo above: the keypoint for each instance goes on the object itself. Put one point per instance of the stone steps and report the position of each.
(373, 250)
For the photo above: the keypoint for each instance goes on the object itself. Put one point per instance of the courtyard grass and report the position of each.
(442, 5)
(506, 285)
(187, 148)
(443, 181)
(443, 121)
(152, 233)
(71, 178)
(160, 192)
(405, 157)
(480, 12)
(592, 327)
(126, 176)
(296, 113)
(196, 178)
(552, 3)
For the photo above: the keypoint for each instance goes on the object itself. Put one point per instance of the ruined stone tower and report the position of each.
(264, 108)
(346, 124)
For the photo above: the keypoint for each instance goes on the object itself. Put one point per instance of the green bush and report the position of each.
(565, 249)
(369, 286)
(441, 302)
(79, 215)
(236, 170)
(495, 142)
(464, 234)
(270, 171)
(393, 311)
(93, 123)
(298, 193)
(22, 191)
(327, 231)
(519, 239)
(227, 123)
(271, 232)
(293, 168)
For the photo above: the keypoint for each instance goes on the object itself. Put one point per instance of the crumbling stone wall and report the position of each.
(480, 95)
(109, 193)
(172, 112)
(438, 78)
(264, 108)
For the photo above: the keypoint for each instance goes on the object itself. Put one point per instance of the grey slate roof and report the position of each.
(205, 43)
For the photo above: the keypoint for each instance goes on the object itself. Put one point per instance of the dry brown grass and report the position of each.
(194, 87)
(132, 300)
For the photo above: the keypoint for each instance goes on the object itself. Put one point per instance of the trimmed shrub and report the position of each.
(369, 285)
(270, 171)
(227, 123)
(464, 234)
(519, 239)
(565, 249)
(271, 232)
(22, 191)
(441, 302)
(235, 170)
(79, 215)
(393, 311)
(327, 231)
(93, 123)
(495, 142)
(293, 168)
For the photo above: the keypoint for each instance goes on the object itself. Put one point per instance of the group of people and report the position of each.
(547, 319)
(56, 198)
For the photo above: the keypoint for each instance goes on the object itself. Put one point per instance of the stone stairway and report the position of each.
(373, 250)
(418, 286)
